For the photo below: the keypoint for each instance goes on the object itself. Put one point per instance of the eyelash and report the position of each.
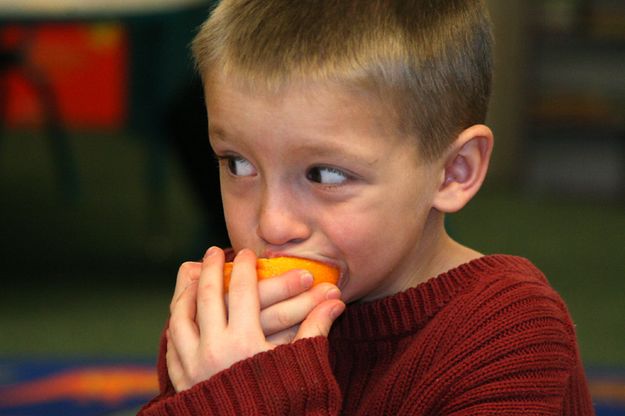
(228, 159)
(331, 170)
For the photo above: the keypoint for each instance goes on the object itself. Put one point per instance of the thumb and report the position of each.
(320, 319)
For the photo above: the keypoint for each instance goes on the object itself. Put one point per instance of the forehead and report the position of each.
(323, 108)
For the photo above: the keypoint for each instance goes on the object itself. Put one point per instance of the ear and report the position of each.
(464, 168)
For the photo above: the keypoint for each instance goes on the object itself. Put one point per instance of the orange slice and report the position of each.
(266, 268)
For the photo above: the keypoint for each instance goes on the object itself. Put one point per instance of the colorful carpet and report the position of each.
(74, 388)
(106, 388)
(607, 386)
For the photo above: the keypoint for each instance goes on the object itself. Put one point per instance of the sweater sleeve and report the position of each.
(291, 379)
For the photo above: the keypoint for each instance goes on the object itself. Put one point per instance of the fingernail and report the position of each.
(333, 293)
(307, 278)
(337, 311)
(243, 252)
(210, 252)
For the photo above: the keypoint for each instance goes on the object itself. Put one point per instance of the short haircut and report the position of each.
(429, 61)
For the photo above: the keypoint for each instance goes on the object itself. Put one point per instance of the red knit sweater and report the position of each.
(489, 337)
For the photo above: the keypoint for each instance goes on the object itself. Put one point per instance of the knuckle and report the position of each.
(322, 328)
(194, 374)
(177, 297)
(293, 287)
(169, 355)
(188, 267)
(172, 305)
(283, 319)
(208, 285)
(324, 287)
(206, 293)
(322, 292)
(289, 334)
(174, 327)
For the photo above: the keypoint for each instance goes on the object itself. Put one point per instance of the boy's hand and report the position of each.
(286, 301)
(207, 334)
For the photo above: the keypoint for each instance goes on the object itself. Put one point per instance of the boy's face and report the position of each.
(318, 173)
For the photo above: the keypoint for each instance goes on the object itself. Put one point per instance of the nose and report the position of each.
(281, 220)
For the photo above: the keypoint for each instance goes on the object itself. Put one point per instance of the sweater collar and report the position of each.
(410, 310)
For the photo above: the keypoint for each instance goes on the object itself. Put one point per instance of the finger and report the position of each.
(188, 273)
(183, 332)
(320, 320)
(244, 304)
(292, 311)
(174, 367)
(283, 337)
(211, 311)
(283, 287)
(279, 288)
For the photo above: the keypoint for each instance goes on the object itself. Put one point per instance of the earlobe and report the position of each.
(464, 168)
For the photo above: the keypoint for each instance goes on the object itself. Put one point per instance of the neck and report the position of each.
(444, 253)
(449, 254)
(437, 253)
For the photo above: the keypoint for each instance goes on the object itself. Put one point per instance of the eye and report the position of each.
(239, 166)
(326, 175)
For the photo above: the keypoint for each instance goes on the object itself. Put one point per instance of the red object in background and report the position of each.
(85, 64)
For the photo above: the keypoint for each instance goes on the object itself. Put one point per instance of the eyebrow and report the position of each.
(217, 132)
(347, 151)
(308, 145)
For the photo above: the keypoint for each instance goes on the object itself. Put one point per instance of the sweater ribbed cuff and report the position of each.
(291, 379)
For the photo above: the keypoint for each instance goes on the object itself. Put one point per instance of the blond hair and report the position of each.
(431, 60)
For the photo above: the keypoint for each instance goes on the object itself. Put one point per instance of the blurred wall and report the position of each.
(507, 103)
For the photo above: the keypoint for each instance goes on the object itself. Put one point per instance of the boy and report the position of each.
(345, 131)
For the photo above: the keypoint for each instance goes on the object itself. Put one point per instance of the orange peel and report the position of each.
(267, 268)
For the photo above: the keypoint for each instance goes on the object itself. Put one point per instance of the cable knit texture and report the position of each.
(490, 337)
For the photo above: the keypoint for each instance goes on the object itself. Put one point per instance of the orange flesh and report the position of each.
(266, 268)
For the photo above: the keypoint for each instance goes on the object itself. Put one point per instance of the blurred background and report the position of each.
(107, 184)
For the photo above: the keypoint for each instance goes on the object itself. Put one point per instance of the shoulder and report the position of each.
(510, 309)
(505, 341)
(512, 290)
(511, 285)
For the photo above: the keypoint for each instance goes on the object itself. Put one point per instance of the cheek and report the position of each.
(359, 237)
(368, 250)
(366, 235)
(239, 217)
